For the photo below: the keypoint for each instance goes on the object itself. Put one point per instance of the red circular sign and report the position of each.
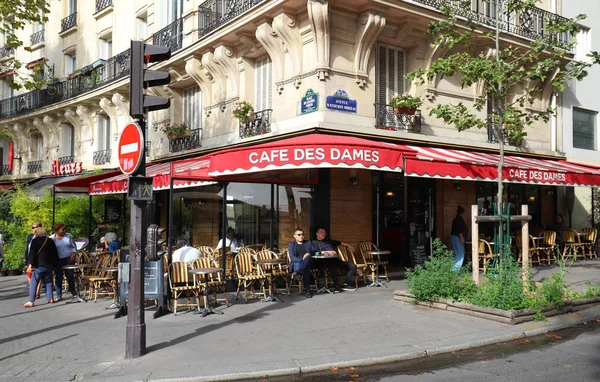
(131, 148)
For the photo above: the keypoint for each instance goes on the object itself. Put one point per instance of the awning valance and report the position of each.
(81, 183)
(468, 165)
(306, 151)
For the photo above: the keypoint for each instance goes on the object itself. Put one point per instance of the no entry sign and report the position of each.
(131, 148)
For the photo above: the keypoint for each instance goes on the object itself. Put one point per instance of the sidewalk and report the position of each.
(84, 342)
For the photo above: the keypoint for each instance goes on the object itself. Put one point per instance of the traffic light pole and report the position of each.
(135, 334)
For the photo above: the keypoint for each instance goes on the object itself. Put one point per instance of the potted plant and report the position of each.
(175, 131)
(243, 111)
(14, 262)
(406, 104)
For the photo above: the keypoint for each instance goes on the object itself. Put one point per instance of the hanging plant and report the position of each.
(243, 111)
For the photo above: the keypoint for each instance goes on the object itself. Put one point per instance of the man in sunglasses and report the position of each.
(301, 261)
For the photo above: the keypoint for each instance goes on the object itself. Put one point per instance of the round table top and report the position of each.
(270, 261)
(205, 271)
(76, 266)
(379, 252)
(110, 269)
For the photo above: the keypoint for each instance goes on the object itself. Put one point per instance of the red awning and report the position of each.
(468, 165)
(307, 151)
(160, 172)
(81, 184)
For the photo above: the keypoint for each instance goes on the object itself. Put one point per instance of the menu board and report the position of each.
(112, 211)
(153, 280)
(419, 254)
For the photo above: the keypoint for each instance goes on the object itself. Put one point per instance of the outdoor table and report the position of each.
(116, 303)
(377, 253)
(267, 265)
(78, 269)
(324, 288)
(205, 272)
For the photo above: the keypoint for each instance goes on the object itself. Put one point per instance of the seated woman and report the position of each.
(102, 245)
(111, 239)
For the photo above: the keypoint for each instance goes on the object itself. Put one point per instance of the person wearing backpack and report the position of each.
(42, 259)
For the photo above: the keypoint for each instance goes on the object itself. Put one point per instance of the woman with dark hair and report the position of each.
(457, 237)
(42, 259)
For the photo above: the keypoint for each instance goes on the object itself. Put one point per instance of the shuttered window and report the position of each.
(192, 107)
(67, 139)
(39, 144)
(391, 73)
(262, 79)
(103, 132)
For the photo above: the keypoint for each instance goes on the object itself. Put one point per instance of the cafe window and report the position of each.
(584, 129)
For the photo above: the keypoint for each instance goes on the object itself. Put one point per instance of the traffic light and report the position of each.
(141, 79)
(154, 248)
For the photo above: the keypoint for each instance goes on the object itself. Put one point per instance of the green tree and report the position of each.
(15, 15)
(509, 75)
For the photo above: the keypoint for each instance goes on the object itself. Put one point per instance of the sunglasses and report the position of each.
(299, 234)
(34, 227)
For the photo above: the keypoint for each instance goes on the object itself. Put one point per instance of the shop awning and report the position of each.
(467, 165)
(306, 151)
(160, 172)
(80, 184)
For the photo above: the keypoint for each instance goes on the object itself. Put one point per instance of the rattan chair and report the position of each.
(361, 264)
(182, 285)
(279, 271)
(571, 244)
(229, 258)
(216, 284)
(103, 283)
(368, 246)
(206, 251)
(486, 255)
(547, 251)
(248, 275)
(347, 254)
(588, 243)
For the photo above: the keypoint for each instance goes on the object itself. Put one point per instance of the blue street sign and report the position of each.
(341, 102)
(310, 102)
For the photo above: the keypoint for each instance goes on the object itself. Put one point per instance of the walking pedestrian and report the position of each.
(42, 259)
(457, 237)
(67, 255)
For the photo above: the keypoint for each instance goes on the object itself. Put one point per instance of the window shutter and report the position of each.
(263, 84)
(391, 74)
(66, 140)
(192, 107)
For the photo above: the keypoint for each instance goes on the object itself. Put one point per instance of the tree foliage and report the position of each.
(16, 15)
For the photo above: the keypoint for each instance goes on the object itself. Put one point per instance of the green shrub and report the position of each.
(553, 290)
(14, 256)
(437, 279)
(503, 290)
(592, 291)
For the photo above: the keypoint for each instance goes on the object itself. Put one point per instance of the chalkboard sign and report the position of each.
(153, 280)
(112, 211)
(419, 254)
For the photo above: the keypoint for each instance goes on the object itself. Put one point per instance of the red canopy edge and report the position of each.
(81, 184)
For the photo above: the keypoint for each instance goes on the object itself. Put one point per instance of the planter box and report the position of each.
(511, 317)
(15, 272)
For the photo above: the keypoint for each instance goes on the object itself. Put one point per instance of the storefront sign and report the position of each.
(66, 169)
(310, 102)
(521, 175)
(341, 102)
(331, 154)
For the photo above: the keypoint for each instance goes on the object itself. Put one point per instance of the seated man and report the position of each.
(301, 252)
(334, 265)
(230, 241)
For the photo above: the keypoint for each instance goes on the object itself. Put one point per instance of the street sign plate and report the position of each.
(139, 188)
(131, 148)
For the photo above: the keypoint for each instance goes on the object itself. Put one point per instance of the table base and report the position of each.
(377, 283)
(206, 311)
(272, 298)
(324, 289)
(114, 305)
(76, 299)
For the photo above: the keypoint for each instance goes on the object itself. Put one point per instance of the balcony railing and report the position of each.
(37, 37)
(5, 170)
(530, 24)
(190, 142)
(101, 157)
(35, 166)
(102, 5)
(68, 22)
(212, 14)
(113, 69)
(66, 160)
(261, 124)
(387, 119)
(6, 51)
(170, 36)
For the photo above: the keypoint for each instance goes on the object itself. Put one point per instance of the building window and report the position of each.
(391, 73)
(38, 144)
(141, 27)
(72, 6)
(103, 132)
(105, 48)
(7, 91)
(583, 44)
(192, 107)
(67, 140)
(584, 129)
(70, 63)
(263, 83)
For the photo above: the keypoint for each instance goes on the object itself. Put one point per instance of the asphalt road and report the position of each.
(567, 355)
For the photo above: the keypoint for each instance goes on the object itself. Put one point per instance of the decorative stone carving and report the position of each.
(110, 109)
(318, 13)
(77, 124)
(195, 69)
(216, 74)
(369, 27)
(22, 140)
(39, 125)
(225, 57)
(54, 127)
(272, 44)
(87, 117)
(286, 28)
(122, 104)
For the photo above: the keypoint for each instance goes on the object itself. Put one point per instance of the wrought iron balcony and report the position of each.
(170, 36)
(68, 22)
(101, 157)
(35, 166)
(160, 124)
(67, 159)
(5, 170)
(6, 51)
(189, 142)
(529, 24)
(213, 14)
(386, 118)
(261, 124)
(102, 5)
(37, 37)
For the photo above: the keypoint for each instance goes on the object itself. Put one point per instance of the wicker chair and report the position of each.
(279, 271)
(229, 258)
(368, 246)
(247, 275)
(103, 283)
(182, 285)
(571, 244)
(546, 251)
(300, 284)
(206, 251)
(486, 255)
(215, 282)
(346, 254)
(589, 242)
(361, 264)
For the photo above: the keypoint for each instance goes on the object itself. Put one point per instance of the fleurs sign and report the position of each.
(66, 169)
(310, 102)
(341, 102)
